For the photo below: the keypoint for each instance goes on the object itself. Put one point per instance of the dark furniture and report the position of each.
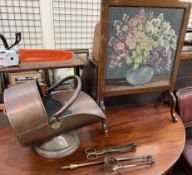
(77, 62)
(71, 63)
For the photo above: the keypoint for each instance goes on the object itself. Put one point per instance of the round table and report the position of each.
(150, 128)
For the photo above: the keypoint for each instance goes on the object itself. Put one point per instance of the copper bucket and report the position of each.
(36, 118)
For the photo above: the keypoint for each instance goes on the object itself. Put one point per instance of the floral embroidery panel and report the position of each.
(142, 36)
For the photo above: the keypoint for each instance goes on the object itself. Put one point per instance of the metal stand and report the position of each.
(60, 146)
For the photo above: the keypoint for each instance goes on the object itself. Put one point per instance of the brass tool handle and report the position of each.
(73, 97)
(74, 166)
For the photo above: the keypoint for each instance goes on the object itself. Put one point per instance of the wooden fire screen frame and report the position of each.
(138, 33)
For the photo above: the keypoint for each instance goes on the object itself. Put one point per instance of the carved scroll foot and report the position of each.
(169, 97)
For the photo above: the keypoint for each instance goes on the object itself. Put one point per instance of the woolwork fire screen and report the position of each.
(140, 46)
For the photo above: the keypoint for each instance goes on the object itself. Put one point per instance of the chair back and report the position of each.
(184, 97)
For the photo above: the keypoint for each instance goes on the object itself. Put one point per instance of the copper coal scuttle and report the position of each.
(48, 121)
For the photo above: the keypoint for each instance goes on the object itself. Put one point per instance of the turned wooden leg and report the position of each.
(168, 96)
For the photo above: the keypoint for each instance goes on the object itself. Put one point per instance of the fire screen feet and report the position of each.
(169, 97)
